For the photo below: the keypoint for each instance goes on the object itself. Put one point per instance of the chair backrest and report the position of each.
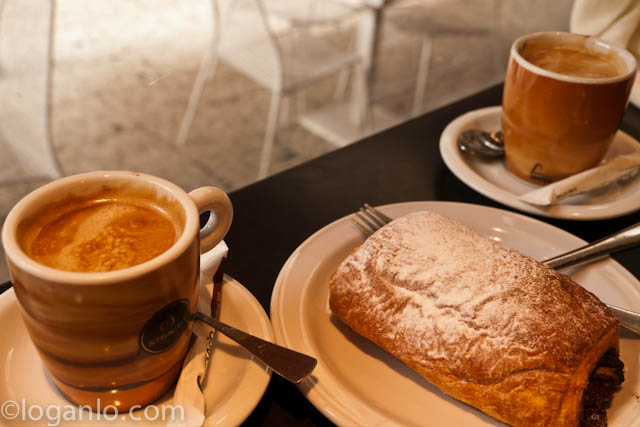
(247, 40)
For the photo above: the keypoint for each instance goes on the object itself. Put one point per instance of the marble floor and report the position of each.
(123, 71)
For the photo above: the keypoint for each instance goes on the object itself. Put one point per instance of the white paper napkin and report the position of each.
(618, 168)
(187, 393)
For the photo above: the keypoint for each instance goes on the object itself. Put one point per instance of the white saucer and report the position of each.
(493, 179)
(235, 383)
(357, 383)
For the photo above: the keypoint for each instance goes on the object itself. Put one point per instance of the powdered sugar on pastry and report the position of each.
(443, 294)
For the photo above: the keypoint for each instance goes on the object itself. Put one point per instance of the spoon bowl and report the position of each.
(478, 143)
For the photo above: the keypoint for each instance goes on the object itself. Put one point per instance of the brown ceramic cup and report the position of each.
(558, 123)
(114, 338)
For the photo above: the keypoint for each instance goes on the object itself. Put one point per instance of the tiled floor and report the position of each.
(124, 69)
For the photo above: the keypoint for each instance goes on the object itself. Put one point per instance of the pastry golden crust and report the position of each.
(484, 323)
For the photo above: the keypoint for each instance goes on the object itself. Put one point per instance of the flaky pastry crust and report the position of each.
(485, 324)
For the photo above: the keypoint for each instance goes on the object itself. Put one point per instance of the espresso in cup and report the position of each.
(105, 266)
(574, 60)
(563, 101)
(106, 231)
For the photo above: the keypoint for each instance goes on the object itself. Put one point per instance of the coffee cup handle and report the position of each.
(217, 201)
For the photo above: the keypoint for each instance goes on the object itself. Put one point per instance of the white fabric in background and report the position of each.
(617, 21)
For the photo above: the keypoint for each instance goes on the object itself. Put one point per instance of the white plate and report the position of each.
(235, 386)
(493, 179)
(356, 383)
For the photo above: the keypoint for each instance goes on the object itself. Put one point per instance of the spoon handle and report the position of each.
(287, 363)
(616, 242)
(627, 318)
(624, 239)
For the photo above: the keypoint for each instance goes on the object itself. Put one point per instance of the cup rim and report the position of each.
(14, 252)
(623, 53)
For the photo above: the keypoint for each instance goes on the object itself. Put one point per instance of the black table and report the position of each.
(274, 216)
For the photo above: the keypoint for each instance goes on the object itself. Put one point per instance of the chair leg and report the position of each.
(501, 51)
(341, 84)
(301, 102)
(207, 70)
(291, 106)
(270, 134)
(360, 109)
(423, 73)
(286, 112)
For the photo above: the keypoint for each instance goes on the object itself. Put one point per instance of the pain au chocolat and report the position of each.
(484, 323)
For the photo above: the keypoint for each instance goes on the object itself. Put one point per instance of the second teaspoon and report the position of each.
(621, 240)
(478, 143)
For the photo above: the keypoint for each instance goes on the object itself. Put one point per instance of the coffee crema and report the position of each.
(573, 60)
(98, 234)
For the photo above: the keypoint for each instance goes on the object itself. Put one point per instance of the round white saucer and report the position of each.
(235, 385)
(493, 179)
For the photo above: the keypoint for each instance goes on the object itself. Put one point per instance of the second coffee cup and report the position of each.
(563, 101)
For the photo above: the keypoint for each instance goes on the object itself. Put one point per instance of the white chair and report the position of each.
(283, 60)
(25, 85)
(424, 20)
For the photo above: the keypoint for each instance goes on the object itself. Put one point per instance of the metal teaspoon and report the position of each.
(478, 143)
(624, 239)
(287, 363)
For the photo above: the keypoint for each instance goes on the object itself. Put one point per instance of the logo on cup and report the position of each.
(165, 327)
(536, 175)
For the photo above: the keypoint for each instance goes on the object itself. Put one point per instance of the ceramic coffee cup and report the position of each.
(111, 337)
(563, 100)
